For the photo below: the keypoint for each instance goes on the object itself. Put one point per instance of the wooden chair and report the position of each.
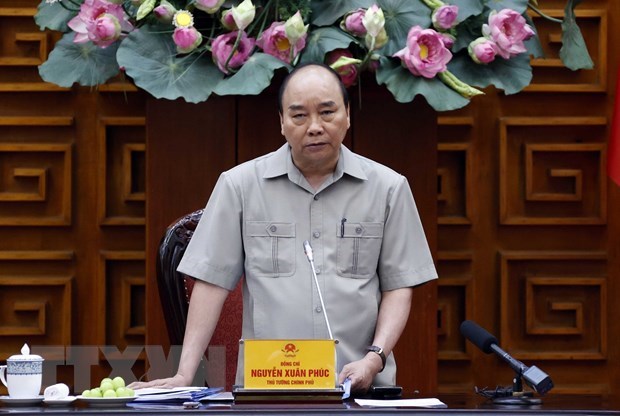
(175, 290)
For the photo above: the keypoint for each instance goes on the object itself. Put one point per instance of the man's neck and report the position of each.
(317, 174)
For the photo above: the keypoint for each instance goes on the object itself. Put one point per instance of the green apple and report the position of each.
(109, 393)
(96, 392)
(122, 392)
(118, 382)
(106, 385)
(86, 393)
(130, 392)
(107, 379)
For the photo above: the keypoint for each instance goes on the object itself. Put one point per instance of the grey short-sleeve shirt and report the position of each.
(366, 236)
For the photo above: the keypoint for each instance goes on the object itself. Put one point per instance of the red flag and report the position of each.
(613, 146)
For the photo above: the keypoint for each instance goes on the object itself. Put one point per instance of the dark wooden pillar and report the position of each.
(188, 145)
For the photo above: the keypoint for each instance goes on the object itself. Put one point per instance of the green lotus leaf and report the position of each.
(322, 41)
(533, 45)
(84, 63)
(326, 12)
(54, 16)
(253, 77)
(510, 75)
(400, 16)
(404, 86)
(574, 53)
(467, 8)
(151, 60)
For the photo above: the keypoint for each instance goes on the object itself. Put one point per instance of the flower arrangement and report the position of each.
(444, 50)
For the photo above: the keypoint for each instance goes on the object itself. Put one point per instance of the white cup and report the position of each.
(24, 375)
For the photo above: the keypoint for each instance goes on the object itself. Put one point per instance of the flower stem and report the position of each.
(433, 4)
(68, 8)
(457, 85)
(541, 14)
(232, 51)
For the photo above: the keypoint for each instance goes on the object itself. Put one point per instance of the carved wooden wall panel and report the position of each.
(72, 186)
(528, 236)
(532, 261)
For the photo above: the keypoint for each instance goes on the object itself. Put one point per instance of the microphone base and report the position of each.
(517, 401)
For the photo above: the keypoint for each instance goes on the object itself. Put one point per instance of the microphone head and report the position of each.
(308, 251)
(478, 336)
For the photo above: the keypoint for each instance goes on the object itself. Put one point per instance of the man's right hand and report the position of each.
(161, 383)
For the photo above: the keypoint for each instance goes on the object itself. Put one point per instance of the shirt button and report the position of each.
(316, 234)
(273, 228)
(318, 309)
(317, 270)
(358, 230)
(316, 197)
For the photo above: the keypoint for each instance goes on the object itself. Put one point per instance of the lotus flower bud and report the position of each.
(294, 28)
(244, 14)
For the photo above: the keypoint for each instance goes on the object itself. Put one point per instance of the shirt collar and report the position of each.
(281, 163)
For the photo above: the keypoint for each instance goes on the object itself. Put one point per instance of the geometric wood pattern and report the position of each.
(122, 182)
(552, 170)
(122, 283)
(35, 184)
(554, 304)
(453, 193)
(34, 308)
(455, 289)
(22, 51)
(550, 75)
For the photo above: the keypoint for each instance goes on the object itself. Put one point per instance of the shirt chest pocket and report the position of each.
(270, 248)
(359, 246)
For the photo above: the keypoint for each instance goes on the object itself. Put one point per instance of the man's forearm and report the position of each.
(393, 315)
(204, 312)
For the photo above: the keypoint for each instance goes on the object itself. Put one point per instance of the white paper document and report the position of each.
(175, 394)
(434, 403)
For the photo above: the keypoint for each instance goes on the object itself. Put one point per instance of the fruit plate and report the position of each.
(106, 401)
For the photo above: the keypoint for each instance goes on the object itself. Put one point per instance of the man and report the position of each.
(359, 217)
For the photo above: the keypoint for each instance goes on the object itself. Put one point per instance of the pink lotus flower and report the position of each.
(425, 54)
(164, 12)
(347, 71)
(228, 21)
(352, 23)
(443, 17)
(222, 48)
(482, 50)
(508, 29)
(186, 38)
(99, 21)
(273, 41)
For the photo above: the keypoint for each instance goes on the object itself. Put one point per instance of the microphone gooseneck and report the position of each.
(310, 256)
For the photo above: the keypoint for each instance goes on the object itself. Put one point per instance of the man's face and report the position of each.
(314, 118)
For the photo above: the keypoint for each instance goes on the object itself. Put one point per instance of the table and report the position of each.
(458, 405)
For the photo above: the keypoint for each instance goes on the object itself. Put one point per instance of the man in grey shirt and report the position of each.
(360, 218)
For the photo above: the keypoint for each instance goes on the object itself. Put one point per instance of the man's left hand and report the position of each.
(361, 372)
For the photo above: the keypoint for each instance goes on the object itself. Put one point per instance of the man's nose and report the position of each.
(316, 126)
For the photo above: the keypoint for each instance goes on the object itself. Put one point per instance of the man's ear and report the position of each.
(348, 116)
(281, 124)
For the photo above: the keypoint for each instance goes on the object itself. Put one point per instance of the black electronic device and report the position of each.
(385, 392)
(533, 376)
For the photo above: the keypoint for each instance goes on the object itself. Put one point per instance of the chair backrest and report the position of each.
(175, 291)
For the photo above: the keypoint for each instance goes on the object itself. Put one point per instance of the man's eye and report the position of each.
(327, 112)
(298, 116)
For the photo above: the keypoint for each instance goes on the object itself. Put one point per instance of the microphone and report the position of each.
(310, 256)
(534, 377)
